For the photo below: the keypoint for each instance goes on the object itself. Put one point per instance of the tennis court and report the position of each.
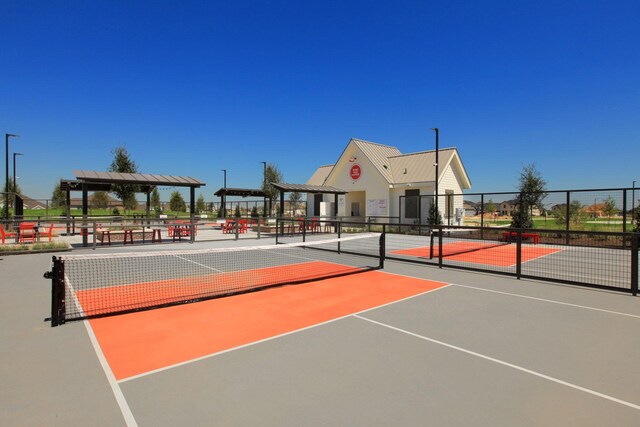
(408, 344)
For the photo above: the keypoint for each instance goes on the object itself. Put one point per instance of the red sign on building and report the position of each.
(355, 172)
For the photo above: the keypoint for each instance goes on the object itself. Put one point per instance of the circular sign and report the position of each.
(355, 172)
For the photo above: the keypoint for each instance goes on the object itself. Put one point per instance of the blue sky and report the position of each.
(190, 88)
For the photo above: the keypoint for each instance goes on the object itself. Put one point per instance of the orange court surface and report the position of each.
(137, 343)
(503, 255)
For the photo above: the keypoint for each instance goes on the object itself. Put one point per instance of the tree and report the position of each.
(576, 214)
(176, 202)
(155, 201)
(609, 208)
(254, 212)
(200, 205)
(532, 189)
(122, 163)
(294, 199)
(491, 208)
(17, 190)
(636, 217)
(434, 217)
(272, 175)
(237, 211)
(99, 200)
(58, 197)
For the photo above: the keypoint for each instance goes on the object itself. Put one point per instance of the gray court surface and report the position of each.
(485, 350)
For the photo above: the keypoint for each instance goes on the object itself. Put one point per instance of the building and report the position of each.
(382, 182)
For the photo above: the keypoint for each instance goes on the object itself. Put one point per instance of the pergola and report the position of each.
(312, 189)
(87, 181)
(240, 192)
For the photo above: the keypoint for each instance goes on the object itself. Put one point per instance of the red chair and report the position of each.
(6, 234)
(27, 232)
(48, 234)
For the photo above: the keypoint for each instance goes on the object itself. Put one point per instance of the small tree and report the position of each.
(576, 214)
(609, 208)
(122, 163)
(12, 189)
(58, 197)
(532, 189)
(491, 208)
(155, 202)
(272, 175)
(294, 199)
(254, 212)
(99, 200)
(176, 202)
(200, 205)
(237, 211)
(434, 217)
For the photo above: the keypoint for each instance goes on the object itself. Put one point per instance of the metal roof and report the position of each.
(244, 192)
(136, 178)
(305, 188)
(320, 175)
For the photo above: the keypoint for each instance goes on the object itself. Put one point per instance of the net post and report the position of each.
(237, 227)
(339, 229)
(382, 246)
(519, 253)
(635, 239)
(58, 308)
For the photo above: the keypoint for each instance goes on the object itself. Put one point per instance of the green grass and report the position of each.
(33, 247)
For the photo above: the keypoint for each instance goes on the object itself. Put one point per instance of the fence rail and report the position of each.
(605, 260)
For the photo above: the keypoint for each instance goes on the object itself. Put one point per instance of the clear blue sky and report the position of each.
(190, 88)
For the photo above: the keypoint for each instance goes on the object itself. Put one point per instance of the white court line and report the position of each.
(115, 387)
(510, 365)
(549, 300)
(208, 356)
(197, 263)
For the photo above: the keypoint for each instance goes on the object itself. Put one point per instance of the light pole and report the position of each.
(6, 185)
(224, 195)
(436, 165)
(15, 185)
(264, 188)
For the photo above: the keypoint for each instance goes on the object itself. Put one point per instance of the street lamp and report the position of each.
(15, 185)
(436, 165)
(6, 185)
(264, 188)
(224, 195)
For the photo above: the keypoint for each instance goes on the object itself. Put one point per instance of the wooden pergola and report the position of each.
(87, 181)
(311, 189)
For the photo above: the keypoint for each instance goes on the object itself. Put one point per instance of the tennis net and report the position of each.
(87, 286)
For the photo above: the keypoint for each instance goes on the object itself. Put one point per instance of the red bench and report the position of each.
(512, 235)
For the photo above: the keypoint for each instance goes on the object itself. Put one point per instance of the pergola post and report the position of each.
(85, 211)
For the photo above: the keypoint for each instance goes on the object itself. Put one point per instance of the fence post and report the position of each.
(624, 212)
(439, 246)
(382, 245)
(304, 229)
(482, 217)
(519, 253)
(568, 217)
(635, 238)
